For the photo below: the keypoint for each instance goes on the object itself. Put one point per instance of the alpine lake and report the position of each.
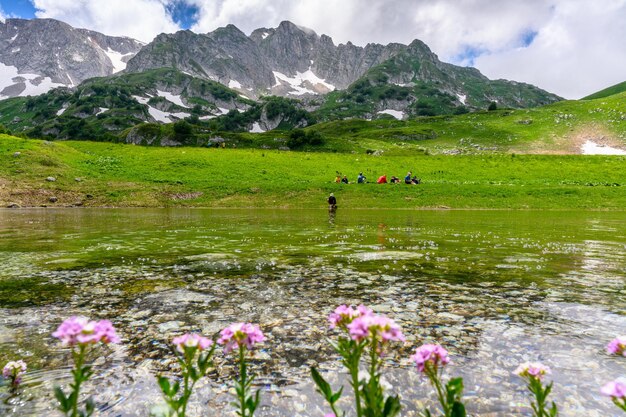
(496, 288)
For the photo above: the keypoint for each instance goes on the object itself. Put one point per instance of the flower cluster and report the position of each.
(615, 389)
(14, 371)
(434, 355)
(191, 340)
(617, 346)
(240, 334)
(366, 324)
(82, 331)
(343, 315)
(532, 370)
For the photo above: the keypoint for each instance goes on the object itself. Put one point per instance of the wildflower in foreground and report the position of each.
(370, 326)
(434, 355)
(243, 336)
(533, 373)
(364, 330)
(13, 371)
(193, 370)
(617, 346)
(430, 360)
(532, 370)
(617, 391)
(80, 333)
(240, 335)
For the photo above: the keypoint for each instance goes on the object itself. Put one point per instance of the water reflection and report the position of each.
(497, 288)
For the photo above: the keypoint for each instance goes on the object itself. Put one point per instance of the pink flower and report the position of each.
(14, 371)
(368, 324)
(82, 331)
(617, 346)
(191, 340)
(615, 389)
(532, 370)
(240, 334)
(434, 354)
(343, 315)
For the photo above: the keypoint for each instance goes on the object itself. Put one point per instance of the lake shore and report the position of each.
(91, 174)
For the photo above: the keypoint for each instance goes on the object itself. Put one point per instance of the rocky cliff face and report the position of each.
(38, 54)
(294, 61)
(287, 60)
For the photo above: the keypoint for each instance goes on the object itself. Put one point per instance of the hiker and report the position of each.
(345, 179)
(416, 180)
(382, 179)
(332, 202)
(395, 180)
(338, 178)
(361, 178)
(407, 179)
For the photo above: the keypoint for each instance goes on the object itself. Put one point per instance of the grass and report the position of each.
(126, 175)
(609, 91)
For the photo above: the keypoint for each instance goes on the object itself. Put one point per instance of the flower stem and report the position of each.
(79, 359)
(242, 381)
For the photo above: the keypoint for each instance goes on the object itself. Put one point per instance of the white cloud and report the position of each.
(3, 17)
(139, 19)
(580, 50)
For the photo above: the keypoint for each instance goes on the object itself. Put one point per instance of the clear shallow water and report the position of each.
(497, 288)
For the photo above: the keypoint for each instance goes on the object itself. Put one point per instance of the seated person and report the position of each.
(416, 180)
(338, 179)
(344, 179)
(407, 179)
(382, 179)
(395, 180)
(361, 178)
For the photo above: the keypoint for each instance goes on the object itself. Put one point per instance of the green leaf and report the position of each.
(392, 407)
(322, 384)
(164, 383)
(458, 410)
(64, 404)
(90, 407)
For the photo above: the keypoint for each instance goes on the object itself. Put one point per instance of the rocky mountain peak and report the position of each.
(38, 54)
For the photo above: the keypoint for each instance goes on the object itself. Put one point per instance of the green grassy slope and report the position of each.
(609, 91)
(126, 175)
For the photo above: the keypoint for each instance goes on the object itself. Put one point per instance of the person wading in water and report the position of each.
(332, 202)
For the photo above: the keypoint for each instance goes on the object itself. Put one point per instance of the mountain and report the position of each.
(225, 81)
(609, 91)
(39, 54)
(294, 61)
(131, 106)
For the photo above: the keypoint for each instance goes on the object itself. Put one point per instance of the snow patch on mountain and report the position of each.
(13, 84)
(172, 98)
(234, 84)
(395, 113)
(303, 83)
(256, 128)
(462, 98)
(592, 148)
(117, 59)
(159, 115)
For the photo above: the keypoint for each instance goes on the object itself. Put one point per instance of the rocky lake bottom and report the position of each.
(496, 288)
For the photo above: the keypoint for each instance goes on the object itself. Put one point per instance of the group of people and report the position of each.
(409, 179)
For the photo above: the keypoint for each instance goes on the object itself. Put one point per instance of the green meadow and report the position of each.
(116, 175)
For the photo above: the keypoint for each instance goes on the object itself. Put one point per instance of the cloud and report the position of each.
(3, 16)
(580, 50)
(139, 19)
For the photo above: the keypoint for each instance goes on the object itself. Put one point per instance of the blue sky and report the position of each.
(18, 8)
(181, 12)
(569, 47)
